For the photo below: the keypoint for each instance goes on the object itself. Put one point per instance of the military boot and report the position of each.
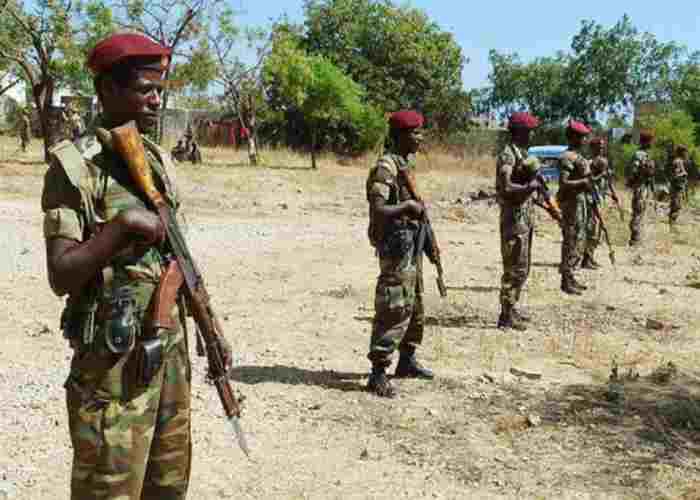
(567, 286)
(408, 367)
(589, 262)
(380, 384)
(578, 284)
(507, 319)
(521, 316)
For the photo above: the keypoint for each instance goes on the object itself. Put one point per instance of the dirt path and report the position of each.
(286, 259)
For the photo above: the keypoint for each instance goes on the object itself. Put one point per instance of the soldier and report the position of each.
(641, 180)
(515, 184)
(600, 176)
(25, 129)
(574, 181)
(394, 223)
(678, 180)
(130, 431)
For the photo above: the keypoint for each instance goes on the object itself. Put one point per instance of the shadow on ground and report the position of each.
(292, 375)
(456, 321)
(639, 421)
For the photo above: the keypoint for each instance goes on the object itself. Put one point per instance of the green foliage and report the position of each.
(606, 70)
(319, 90)
(671, 127)
(398, 55)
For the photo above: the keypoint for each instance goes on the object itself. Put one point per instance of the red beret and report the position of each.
(523, 120)
(406, 119)
(578, 128)
(646, 136)
(116, 48)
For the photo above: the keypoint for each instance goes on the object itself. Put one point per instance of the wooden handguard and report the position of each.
(165, 297)
(127, 142)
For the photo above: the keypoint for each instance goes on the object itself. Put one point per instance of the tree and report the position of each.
(537, 86)
(243, 82)
(614, 68)
(180, 25)
(608, 70)
(396, 53)
(320, 90)
(40, 39)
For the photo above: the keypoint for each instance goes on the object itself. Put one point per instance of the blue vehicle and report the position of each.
(549, 157)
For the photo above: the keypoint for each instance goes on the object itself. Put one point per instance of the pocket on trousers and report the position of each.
(390, 298)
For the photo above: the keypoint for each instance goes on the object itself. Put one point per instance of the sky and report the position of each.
(532, 29)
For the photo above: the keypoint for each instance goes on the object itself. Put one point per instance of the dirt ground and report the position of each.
(284, 251)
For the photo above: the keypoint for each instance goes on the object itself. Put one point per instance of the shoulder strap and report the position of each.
(74, 164)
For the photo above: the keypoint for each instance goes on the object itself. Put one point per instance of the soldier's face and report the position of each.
(521, 136)
(410, 140)
(139, 99)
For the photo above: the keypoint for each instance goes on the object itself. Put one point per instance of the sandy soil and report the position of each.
(286, 258)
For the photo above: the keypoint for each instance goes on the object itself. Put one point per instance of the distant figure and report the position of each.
(678, 180)
(24, 126)
(187, 148)
(72, 122)
(641, 181)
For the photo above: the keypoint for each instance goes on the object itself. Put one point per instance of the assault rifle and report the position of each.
(611, 184)
(427, 240)
(546, 200)
(595, 208)
(181, 272)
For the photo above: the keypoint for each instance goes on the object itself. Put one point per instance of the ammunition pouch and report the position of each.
(147, 360)
(122, 324)
(399, 241)
(78, 319)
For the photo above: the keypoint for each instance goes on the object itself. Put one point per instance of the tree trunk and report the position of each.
(252, 139)
(313, 148)
(43, 97)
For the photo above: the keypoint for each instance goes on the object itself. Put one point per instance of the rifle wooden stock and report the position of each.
(127, 142)
(165, 297)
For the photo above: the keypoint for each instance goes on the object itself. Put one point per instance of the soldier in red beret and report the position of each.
(515, 186)
(600, 176)
(640, 179)
(574, 182)
(394, 220)
(129, 416)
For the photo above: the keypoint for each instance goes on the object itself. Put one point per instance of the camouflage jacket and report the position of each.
(678, 174)
(87, 186)
(599, 165)
(516, 215)
(640, 170)
(572, 166)
(394, 240)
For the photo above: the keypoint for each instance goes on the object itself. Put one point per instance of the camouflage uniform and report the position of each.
(640, 176)
(25, 131)
(678, 180)
(398, 302)
(516, 225)
(574, 210)
(130, 440)
(599, 165)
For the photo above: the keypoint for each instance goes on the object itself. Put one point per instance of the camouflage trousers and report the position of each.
(516, 252)
(573, 228)
(593, 234)
(676, 203)
(398, 319)
(24, 141)
(639, 206)
(129, 442)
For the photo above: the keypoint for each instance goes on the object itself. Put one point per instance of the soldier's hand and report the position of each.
(413, 208)
(143, 226)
